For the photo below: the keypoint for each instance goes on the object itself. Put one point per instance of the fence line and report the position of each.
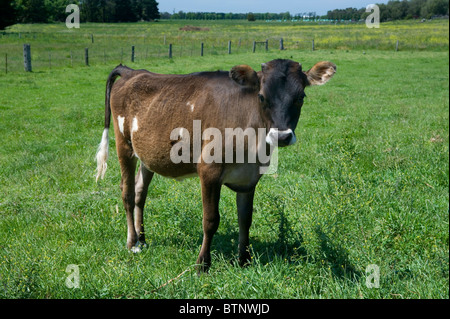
(139, 53)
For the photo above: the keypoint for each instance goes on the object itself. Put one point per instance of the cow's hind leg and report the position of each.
(143, 179)
(128, 168)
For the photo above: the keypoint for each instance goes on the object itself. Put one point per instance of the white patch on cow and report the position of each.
(241, 175)
(120, 120)
(102, 155)
(191, 105)
(272, 136)
(134, 126)
(138, 247)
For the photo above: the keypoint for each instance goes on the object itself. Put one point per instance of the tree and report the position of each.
(125, 11)
(56, 9)
(398, 9)
(7, 14)
(149, 10)
(251, 17)
(435, 7)
(32, 11)
(414, 7)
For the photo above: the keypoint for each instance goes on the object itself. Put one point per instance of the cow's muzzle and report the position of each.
(280, 138)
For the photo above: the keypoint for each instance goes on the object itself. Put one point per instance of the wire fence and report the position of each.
(45, 58)
(49, 51)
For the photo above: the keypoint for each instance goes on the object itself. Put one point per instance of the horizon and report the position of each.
(320, 7)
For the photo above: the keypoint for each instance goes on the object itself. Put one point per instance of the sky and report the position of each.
(275, 6)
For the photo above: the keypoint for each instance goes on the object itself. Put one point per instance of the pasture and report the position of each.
(366, 184)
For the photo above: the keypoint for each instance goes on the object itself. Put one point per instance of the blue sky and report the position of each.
(242, 6)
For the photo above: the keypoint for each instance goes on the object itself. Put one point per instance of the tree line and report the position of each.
(395, 10)
(235, 16)
(43, 11)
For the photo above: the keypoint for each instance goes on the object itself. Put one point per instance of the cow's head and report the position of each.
(281, 85)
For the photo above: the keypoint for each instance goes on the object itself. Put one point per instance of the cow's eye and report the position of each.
(261, 98)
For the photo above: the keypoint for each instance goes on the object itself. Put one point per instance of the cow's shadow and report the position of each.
(290, 249)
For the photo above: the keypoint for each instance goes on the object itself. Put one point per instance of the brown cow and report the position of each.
(156, 116)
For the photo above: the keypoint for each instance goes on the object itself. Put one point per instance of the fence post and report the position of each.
(6, 63)
(86, 56)
(27, 57)
(132, 53)
(201, 50)
(396, 46)
(92, 37)
(267, 44)
(313, 48)
(254, 46)
(281, 44)
(229, 47)
(170, 51)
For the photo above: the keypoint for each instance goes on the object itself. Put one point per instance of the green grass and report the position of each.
(366, 183)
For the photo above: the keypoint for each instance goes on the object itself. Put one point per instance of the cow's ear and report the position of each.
(321, 73)
(244, 75)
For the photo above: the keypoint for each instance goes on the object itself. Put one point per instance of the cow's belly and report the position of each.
(154, 152)
(241, 177)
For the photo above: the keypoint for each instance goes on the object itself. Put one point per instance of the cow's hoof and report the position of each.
(203, 266)
(138, 247)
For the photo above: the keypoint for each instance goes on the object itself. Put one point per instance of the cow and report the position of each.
(153, 113)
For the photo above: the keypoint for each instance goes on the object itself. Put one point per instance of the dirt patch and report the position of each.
(192, 28)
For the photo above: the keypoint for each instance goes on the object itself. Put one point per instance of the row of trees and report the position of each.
(236, 16)
(393, 10)
(396, 10)
(41, 11)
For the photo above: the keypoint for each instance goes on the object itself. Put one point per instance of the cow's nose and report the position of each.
(281, 138)
(284, 138)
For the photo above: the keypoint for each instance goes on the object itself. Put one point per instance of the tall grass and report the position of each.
(53, 45)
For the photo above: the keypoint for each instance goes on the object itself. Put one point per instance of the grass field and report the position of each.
(53, 45)
(366, 184)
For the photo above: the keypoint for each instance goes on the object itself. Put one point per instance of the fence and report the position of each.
(94, 51)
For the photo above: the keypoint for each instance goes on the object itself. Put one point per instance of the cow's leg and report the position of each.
(211, 219)
(143, 179)
(244, 203)
(128, 168)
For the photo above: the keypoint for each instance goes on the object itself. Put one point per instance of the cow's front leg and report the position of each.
(211, 219)
(244, 203)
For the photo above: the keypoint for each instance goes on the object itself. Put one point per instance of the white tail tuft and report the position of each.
(102, 155)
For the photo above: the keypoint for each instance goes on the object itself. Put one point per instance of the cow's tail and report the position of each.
(102, 152)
